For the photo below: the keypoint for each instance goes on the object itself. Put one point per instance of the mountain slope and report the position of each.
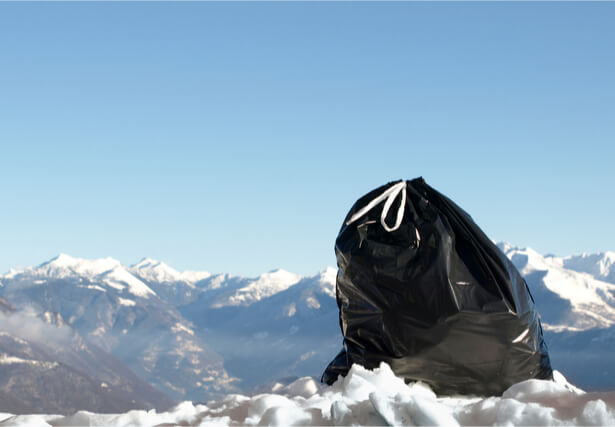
(601, 266)
(108, 305)
(46, 366)
(567, 299)
(576, 298)
(290, 333)
(196, 336)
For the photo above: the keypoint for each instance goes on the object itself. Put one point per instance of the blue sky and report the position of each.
(235, 136)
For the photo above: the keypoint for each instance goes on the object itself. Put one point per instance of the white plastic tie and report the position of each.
(390, 194)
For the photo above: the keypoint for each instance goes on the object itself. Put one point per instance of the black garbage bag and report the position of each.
(421, 287)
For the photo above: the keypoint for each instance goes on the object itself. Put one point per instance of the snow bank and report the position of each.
(368, 398)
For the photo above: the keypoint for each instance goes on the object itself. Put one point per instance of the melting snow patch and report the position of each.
(178, 327)
(291, 310)
(126, 302)
(366, 397)
(312, 302)
(11, 360)
(95, 287)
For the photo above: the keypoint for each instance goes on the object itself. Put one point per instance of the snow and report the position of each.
(363, 397)
(367, 397)
(312, 302)
(290, 310)
(601, 266)
(126, 302)
(326, 281)
(65, 265)
(592, 300)
(107, 271)
(95, 287)
(191, 276)
(264, 286)
(11, 360)
(157, 271)
(119, 277)
(178, 327)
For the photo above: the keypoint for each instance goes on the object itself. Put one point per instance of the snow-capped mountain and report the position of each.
(158, 272)
(196, 335)
(292, 332)
(107, 272)
(576, 298)
(171, 285)
(46, 366)
(111, 307)
(601, 266)
(571, 293)
(254, 290)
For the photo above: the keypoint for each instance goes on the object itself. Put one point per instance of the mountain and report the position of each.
(159, 272)
(289, 333)
(576, 298)
(169, 284)
(106, 271)
(197, 336)
(601, 266)
(568, 295)
(254, 290)
(118, 311)
(46, 366)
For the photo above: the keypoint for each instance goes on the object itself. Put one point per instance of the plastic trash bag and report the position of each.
(421, 287)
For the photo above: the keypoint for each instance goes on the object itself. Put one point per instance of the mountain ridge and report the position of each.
(199, 335)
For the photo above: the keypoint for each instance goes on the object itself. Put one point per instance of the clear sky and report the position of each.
(234, 137)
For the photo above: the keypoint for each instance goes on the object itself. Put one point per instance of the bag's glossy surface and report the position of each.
(421, 287)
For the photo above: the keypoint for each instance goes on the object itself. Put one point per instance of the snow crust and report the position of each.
(367, 397)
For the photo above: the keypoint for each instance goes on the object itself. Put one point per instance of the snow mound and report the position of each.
(367, 397)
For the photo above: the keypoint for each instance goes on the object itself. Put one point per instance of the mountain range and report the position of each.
(101, 336)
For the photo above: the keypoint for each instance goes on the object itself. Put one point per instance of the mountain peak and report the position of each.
(62, 259)
(64, 264)
(157, 271)
(108, 270)
(147, 262)
(608, 255)
(326, 280)
(263, 286)
(279, 273)
(601, 266)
